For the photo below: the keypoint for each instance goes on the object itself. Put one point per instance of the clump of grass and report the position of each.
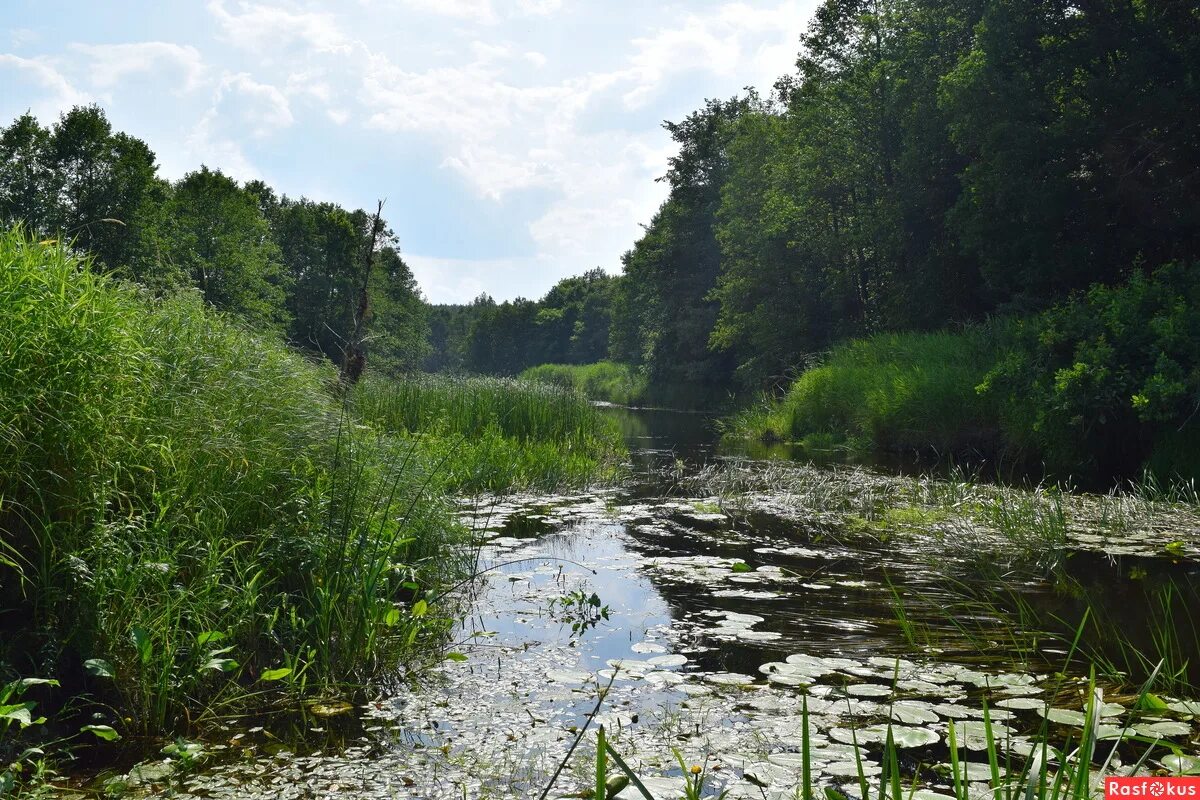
(192, 527)
(609, 381)
(490, 434)
(890, 391)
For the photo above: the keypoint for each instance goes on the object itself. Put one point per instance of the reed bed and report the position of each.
(198, 524)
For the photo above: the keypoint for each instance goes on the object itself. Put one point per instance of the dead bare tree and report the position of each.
(354, 356)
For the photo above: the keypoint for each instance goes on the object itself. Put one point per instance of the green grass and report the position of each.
(491, 434)
(185, 507)
(891, 391)
(197, 525)
(621, 384)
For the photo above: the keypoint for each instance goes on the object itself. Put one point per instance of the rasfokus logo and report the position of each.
(1151, 788)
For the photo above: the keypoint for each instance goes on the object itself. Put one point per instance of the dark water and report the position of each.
(1131, 609)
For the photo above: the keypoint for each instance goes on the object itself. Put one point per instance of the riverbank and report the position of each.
(1101, 388)
(198, 524)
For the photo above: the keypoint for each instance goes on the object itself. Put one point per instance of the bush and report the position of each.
(1110, 380)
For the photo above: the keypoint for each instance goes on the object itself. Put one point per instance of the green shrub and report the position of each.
(1110, 380)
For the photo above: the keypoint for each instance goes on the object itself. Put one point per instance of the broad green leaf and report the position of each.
(19, 713)
(27, 682)
(741, 566)
(420, 608)
(221, 664)
(209, 636)
(103, 731)
(455, 657)
(275, 674)
(99, 667)
(392, 617)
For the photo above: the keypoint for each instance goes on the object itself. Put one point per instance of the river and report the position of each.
(713, 593)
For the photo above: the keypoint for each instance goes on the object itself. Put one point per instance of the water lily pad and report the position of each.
(904, 736)
(1164, 728)
(571, 677)
(671, 660)
(1191, 707)
(730, 679)
(1064, 716)
(973, 736)
(331, 708)
(849, 769)
(1022, 703)
(869, 690)
(913, 712)
(1181, 764)
(648, 647)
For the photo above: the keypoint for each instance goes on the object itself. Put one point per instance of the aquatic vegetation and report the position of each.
(494, 434)
(611, 382)
(890, 391)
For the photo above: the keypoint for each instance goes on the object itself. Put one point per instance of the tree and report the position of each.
(213, 232)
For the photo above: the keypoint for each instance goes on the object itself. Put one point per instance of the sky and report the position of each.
(515, 142)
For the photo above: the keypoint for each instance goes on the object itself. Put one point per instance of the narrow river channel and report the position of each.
(715, 593)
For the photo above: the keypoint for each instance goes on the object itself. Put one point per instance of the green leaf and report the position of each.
(141, 640)
(99, 668)
(221, 664)
(1151, 702)
(27, 682)
(105, 732)
(392, 617)
(275, 674)
(455, 657)
(420, 608)
(209, 636)
(19, 713)
(741, 566)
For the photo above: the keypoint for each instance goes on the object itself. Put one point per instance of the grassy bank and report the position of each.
(1100, 387)
(605, 380)
(893, 391)
(195, 525)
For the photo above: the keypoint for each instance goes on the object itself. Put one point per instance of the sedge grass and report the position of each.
(192, 525)
(491, 434)
(611, 382)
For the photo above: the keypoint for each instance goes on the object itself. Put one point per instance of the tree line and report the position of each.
(930, 163)
(292, 265)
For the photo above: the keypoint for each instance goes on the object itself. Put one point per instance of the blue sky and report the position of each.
(516, 141)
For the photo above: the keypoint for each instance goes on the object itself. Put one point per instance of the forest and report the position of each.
(1021, 178)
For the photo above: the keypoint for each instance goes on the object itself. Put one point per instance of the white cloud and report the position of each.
(56, 93)
(260, 108)
(110, 63)
(477, 11)
(263, 28)
(205, 145)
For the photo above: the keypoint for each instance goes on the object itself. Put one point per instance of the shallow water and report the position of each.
(720, 617)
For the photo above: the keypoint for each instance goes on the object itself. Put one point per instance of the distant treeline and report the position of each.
(293, 265)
